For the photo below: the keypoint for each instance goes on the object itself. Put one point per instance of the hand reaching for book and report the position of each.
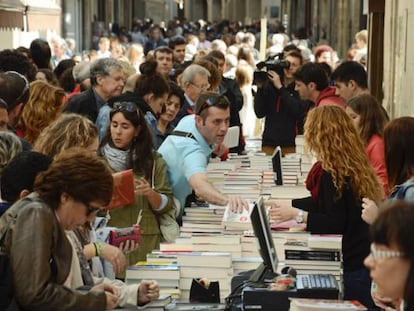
(237, 204)
(281, 211)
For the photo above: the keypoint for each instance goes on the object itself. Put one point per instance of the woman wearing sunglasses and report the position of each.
(128, 144)
(65, 196)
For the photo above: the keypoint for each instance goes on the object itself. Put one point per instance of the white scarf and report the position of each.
(118, 159)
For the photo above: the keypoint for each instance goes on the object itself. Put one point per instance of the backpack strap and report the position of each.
(183, 134)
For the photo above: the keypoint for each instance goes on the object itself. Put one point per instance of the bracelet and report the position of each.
(98, 249)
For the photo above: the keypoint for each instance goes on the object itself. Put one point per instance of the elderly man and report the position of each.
(194, 81)
(107, 80)
(188, 148)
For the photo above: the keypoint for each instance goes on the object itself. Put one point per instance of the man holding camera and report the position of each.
(279, 103)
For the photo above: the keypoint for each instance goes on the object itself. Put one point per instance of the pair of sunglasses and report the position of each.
(128, 106)
(210, 100)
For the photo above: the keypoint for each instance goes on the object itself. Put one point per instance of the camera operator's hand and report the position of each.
(275, 79)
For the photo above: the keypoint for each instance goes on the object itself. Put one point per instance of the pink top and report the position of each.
(375, 152)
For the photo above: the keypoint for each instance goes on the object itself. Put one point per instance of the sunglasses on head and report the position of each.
(26, 83)
(125, 106)
(211, 101)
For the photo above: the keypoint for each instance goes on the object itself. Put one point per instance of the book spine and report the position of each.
(312, 255)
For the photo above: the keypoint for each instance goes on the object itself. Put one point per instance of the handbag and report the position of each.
(119, 235)
(168, 224)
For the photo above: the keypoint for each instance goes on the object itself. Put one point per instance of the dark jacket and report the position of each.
(342, 215)
(185, 110)
(84, 104)
(41, 258)
(284, 112)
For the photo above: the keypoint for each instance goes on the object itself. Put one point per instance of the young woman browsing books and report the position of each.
(337, 181)
(128, 144)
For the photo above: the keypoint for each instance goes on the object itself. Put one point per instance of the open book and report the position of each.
(232, 137)
(123, 192)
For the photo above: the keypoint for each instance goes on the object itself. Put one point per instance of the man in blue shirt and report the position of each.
(187, 156)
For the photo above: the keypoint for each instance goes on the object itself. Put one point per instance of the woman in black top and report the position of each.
(337, 182)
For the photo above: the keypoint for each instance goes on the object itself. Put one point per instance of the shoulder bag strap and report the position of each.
(183, 134)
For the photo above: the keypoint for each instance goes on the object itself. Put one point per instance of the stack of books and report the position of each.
(210, 214)
(205, 265)
(309, 260)
(260, 161)
(237, 222)
(306, 304)
(306, 159)
(167, 276)
(291, 169)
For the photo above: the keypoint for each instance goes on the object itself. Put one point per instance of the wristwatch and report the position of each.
(299, 217)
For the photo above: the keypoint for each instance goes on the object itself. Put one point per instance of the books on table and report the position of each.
(204, 259)
(304, 304)
(159, 304)
(143, 270)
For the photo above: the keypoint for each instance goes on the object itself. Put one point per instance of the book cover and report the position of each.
(325, 241)
(123, 191)
(153, 271)
(160, 303)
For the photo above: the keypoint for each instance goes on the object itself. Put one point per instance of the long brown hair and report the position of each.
(372, 118)
(399, 150)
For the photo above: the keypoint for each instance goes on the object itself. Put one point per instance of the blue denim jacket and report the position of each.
(404, 191)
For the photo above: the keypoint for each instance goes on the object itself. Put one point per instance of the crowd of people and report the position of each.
(159, 101)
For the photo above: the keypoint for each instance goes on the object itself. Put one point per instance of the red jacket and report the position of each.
(327, 97)
(375, 152)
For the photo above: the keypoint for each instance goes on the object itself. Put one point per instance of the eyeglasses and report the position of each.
(201, 87)
(26, 84)
(379, 254)
(210, 100)
(91, 210)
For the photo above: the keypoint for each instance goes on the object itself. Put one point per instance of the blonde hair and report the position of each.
(331, 135)
(42, 108)
(10, 146)
(244, 74)
(70, 130)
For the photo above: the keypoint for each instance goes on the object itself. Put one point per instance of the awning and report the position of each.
(40, 14)
(11, 14)
(43, 15)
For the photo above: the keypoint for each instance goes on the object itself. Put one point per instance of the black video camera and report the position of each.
(273, 63)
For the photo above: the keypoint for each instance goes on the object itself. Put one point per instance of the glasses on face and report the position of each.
(210, 101)
(201, 87)
(91, 210)
(378, 254)
(26, 84)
